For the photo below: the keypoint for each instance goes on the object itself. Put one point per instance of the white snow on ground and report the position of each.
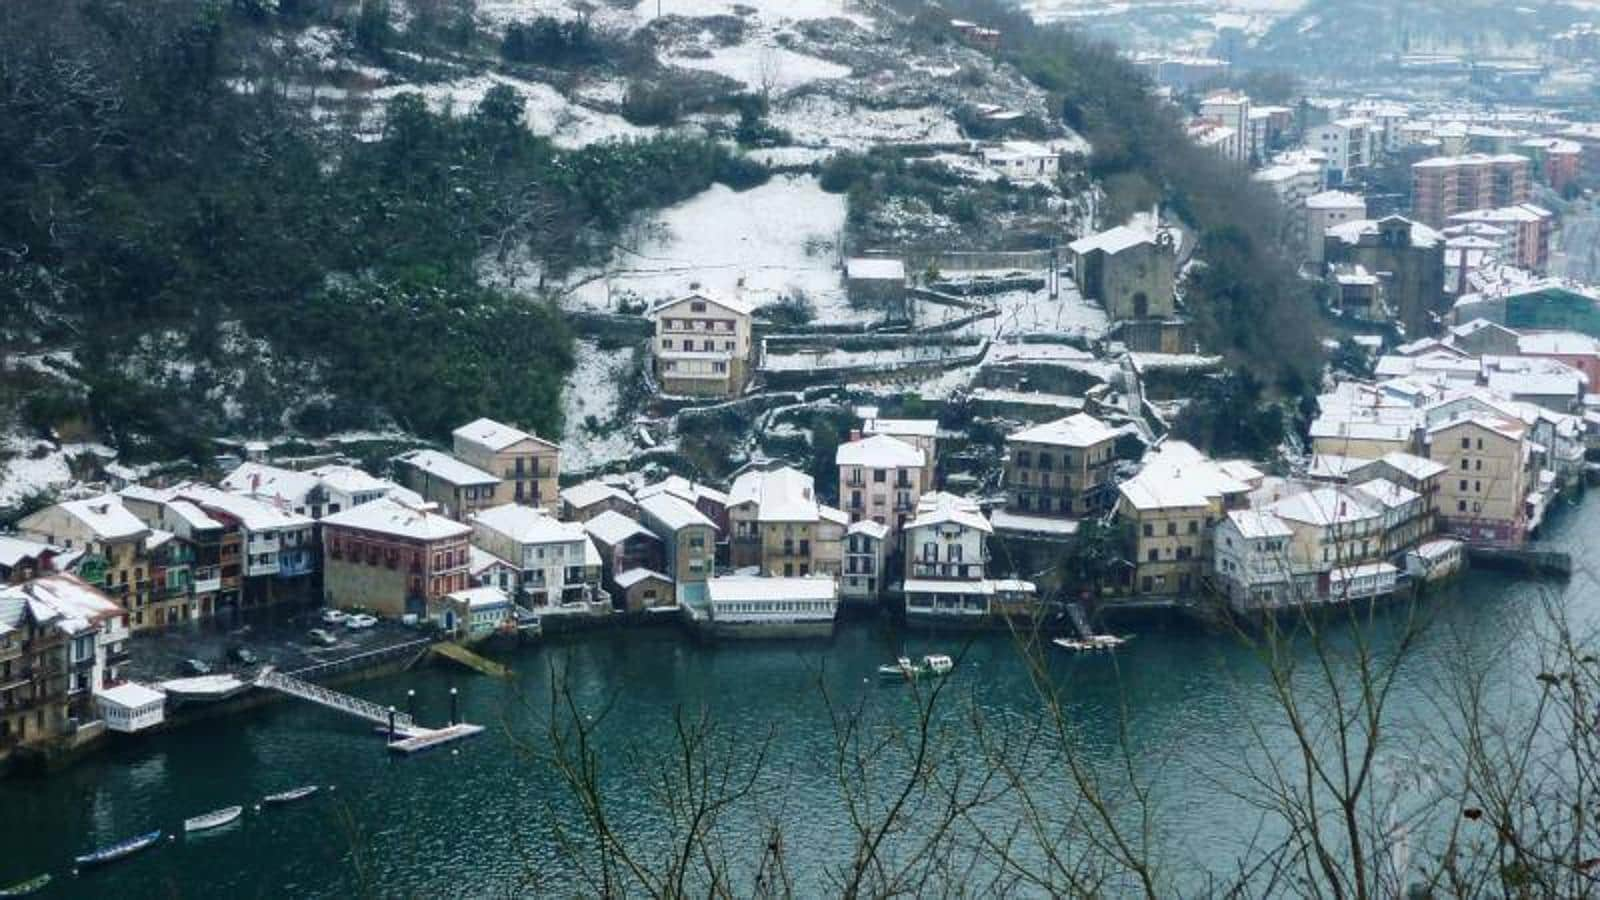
(833, 359)
(762, 66)
(778, 238)
(1028, 312)
(829, 121)
(769, 11)
(548, 112)
(21, 477)
(592, 390)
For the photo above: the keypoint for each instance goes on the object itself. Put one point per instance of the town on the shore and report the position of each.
(1476, 417)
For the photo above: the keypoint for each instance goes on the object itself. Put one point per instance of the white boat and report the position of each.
(938, 664)
(289, 796)
(211, 820)
(1091, 643)
(903, 669)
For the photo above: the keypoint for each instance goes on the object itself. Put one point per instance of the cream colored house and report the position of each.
(1171, 506)
(1483, 494)
(1060, 468)
(780, 528)
(528, 466)
(702, 345)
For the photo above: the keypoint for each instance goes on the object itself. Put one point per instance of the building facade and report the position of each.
(703, 346)
(528, 467)
(392, 559)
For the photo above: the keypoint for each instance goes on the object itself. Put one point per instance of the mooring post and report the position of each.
(411, 703)
(391, 724)
(453, 717)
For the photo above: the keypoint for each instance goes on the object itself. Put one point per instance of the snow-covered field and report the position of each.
(22, 476)
(1030, 312)
(833, 359)
(593, 389)
(763, 244)
(547, 111)
(763, 66)
(817, 119)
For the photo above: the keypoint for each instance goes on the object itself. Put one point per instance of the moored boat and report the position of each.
(1091, 643)
(214, 819)
(119, 850)
(903, 669)
(299, 793)
(24, 888)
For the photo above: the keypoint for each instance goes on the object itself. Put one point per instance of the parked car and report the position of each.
(243, 656)
(194, 667)
(361, 620)
(322, 636)
(333, 616)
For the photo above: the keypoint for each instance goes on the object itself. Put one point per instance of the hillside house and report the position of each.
(528, 466)
(702, 345)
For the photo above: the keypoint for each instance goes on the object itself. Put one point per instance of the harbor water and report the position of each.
(482, 819)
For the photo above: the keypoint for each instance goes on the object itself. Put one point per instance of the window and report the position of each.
(1466, 443)
(697, 306)
(1045, 461)
(1024, 458)
(1172, 528)
(1153, 555)
(879, 476)
(1463, 484)
(1478, 464)
(1149, 530)
(666, 343)
(1477, 487)
(1194, 527)
(1463, 463)
(1461, 506)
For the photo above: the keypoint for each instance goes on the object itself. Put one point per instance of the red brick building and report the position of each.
(386, 557)
(1446, 185)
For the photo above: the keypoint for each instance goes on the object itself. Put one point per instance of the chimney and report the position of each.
(255, 482)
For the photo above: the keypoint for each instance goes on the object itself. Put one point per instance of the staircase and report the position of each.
(355, 706)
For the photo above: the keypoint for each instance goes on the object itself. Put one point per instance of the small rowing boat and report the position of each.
(211, 820)
(119, 850)
(299, 793)
(1092, 643)
(23, 888)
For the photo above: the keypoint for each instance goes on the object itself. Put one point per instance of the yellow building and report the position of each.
(528, 466)
(702, 345)
(1171, 506)
(1484, 489)
(1060, 468)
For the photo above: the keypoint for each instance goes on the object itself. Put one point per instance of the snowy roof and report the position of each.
(386, 516)
(1336, 200)
(875, 530)
(879, 452)
(1114, 240)
(632, 577)
(875, 269)
(939, 508)
(948, 586)
(1081, 430)
(1333, 466)
(262, 480)
(1559, 343)
(480, 560)
(349, 479)
(902, 427)
(1258, 523)
(485, 597)
(612, 528)
(1352, 232)
(1006, 520)
(130, 695)
(254, 514)
(1323, 506)
(673, 512)
(65, 601)
(1470, 159)
(105, 516)
(1411, 465)
(1438, 548)
(1504, 427)
(591, 492)
(1387, 492)
(447, 468)
(732, 304)
(14, 550)
(495, 435)
(787, 495)
(690, 492)
(527, 525)
(1176, 475)
(762, 587)
(1537, 384)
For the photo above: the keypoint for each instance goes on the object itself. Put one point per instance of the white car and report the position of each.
(323, 637)
(360, 621)
(333, 616)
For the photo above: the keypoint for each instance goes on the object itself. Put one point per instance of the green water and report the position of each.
(481, 821)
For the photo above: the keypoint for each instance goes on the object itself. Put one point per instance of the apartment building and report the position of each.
(689, 541)
(1531, 231)
(947, 556)
(528, 466)
(1483, 496)
(1171, 506)
(702, 345)
(556, 561)
(922, 434)
(278, 549)
(1446, 185)
(1323, 211)
(865, 559)
(460, 489)
(61, 640)
(392, 559)
(1348, 144)
(112, 547)
(881, 480)
(780, 527)
(1061, 468)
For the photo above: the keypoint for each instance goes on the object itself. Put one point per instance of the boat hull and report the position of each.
(118, 851)
(213, 820)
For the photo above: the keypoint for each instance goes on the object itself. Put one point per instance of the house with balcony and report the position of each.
(1415, 473)
(278, 549)
(198, 540)
(865, 563)
(459, 489)
(702, 345)
(780, 528)
(946, 561)
(61, 640)
(528, 466)
(881, 480)
(922, 434)
(392, 559)
(1061, 468)
(556, 562)
(689, 544)
(111, 542)
(1171, 506)
(316, 492)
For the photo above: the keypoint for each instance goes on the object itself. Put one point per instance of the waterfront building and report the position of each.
(61, 639)
(1171, 506)
(763, 606)
(624, 545)
(278, 550)
(459, 489)
(528, 467)
(130, 707)
(880, 480)
(586, 500)
(1415, 473)
(484, 569)
(556, 562)
(1060, 468)
(210, 548)
(1483, 498)
(865, 561)
(702, 345)
(642, 589)
(113, 552)
(947, 556)
(689, 543)
(472, 613)
(780, 528)
(391, 558)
